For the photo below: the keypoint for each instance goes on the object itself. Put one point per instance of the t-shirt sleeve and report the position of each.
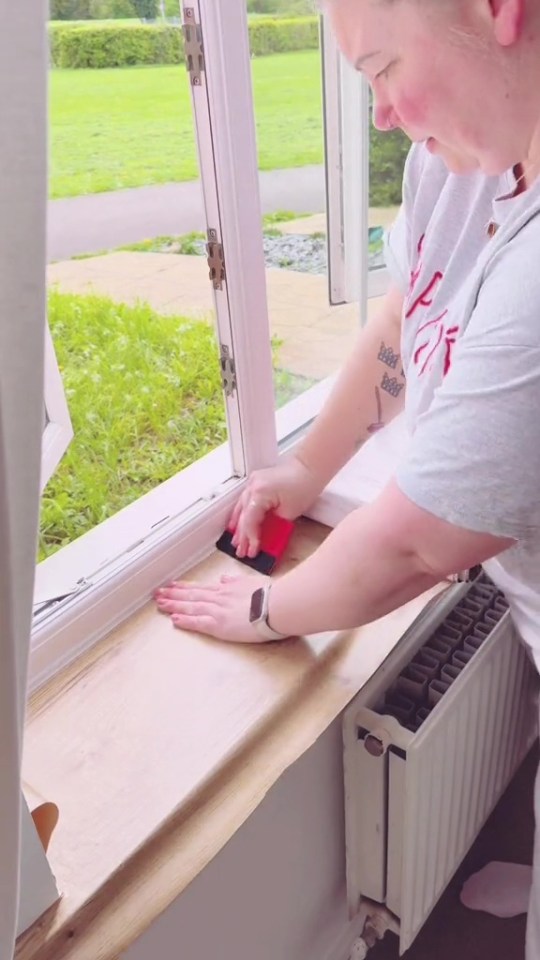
(474, 458)
(397, 242)
(396, 252)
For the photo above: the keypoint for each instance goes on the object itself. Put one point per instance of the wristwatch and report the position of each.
(258, 614)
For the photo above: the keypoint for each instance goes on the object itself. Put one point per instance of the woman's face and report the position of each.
(443, 71)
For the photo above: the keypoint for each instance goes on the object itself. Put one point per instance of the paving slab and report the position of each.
(307, 226)
(316, 338)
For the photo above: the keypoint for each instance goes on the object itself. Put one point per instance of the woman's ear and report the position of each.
(508, 18)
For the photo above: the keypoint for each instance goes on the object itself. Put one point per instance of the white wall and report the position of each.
(277, 890)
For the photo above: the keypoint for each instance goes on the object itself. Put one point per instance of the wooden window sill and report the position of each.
(157, 745)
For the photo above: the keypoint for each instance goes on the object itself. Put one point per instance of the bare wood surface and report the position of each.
(158, 744)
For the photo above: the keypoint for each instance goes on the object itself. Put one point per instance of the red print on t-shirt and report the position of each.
(433, 331)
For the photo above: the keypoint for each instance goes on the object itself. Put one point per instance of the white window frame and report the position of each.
(347, 121)
(58, 431)
(90, 586)
(93, 584)
(223, 102)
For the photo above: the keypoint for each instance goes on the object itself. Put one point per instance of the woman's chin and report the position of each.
(457, 161)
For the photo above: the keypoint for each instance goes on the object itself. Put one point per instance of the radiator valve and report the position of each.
(359, 949)
(375, 928)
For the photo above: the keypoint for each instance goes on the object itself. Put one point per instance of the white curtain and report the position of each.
(23, 93)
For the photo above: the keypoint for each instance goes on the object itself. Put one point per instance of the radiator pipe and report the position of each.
(375, 927)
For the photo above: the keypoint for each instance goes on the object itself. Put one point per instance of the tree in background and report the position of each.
(112, 10)
(387, 155)
(146, 9)
(91, 10)
(149, 9)
(282, 8)
(172, 9)
(69, 9)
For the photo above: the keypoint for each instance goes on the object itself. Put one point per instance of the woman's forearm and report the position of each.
(359, 573)
(367, 395)
(378, 558)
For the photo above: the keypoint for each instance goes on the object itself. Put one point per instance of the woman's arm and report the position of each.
(368, 393)
(378, 558)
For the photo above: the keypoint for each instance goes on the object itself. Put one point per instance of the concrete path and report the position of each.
(316, 338)
(103, 221)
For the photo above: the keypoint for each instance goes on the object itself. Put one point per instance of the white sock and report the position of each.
(502, 889)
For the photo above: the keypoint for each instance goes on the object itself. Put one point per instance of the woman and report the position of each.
(462, 79)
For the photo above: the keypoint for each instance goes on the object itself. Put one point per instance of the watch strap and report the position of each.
(261, 625)
(265, 631)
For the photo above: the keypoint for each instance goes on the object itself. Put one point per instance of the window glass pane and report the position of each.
(131, 308)
(387, 155)
(310, 339)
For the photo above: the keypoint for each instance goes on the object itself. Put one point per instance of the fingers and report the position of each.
(195, 605)
(248, 514)
(187, 608)
(248, 530)
(192, 599)
(235, 515)
(196, 623)
(190, 592)
(220, 610)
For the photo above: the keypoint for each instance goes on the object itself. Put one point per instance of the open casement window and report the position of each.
(360, 206)
(356, 268)
(94, 582)
(57, 429)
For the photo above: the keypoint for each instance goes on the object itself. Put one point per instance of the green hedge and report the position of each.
(70, 10)
(122, 45)
(278, 36)
(115, 46)
(388, 152)
(281, 8)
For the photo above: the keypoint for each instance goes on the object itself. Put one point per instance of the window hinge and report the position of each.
(193, 45)
(216, 260)
(45, 602)
(228, 370)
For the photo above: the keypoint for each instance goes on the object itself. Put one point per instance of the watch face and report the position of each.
(257, 605)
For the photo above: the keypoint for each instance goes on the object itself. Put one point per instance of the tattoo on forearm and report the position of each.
(387, 356)
(391, 385)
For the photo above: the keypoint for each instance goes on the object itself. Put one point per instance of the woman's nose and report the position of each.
(384, 117)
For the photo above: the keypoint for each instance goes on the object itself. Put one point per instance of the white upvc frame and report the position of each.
(111, 571)
(225, 123)
(57, 431)
(93, 584)
(347, 121)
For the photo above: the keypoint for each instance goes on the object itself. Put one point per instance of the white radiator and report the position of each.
(431, 743)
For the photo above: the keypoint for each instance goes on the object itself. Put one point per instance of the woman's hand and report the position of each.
(288, 489)
(220, 610)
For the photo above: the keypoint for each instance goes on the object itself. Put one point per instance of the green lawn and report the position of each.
(145, 399)
(112, 129)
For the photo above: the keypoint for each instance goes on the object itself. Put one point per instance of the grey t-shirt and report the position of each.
(471, 356)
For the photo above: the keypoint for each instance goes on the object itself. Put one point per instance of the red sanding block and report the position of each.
(275, 535)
